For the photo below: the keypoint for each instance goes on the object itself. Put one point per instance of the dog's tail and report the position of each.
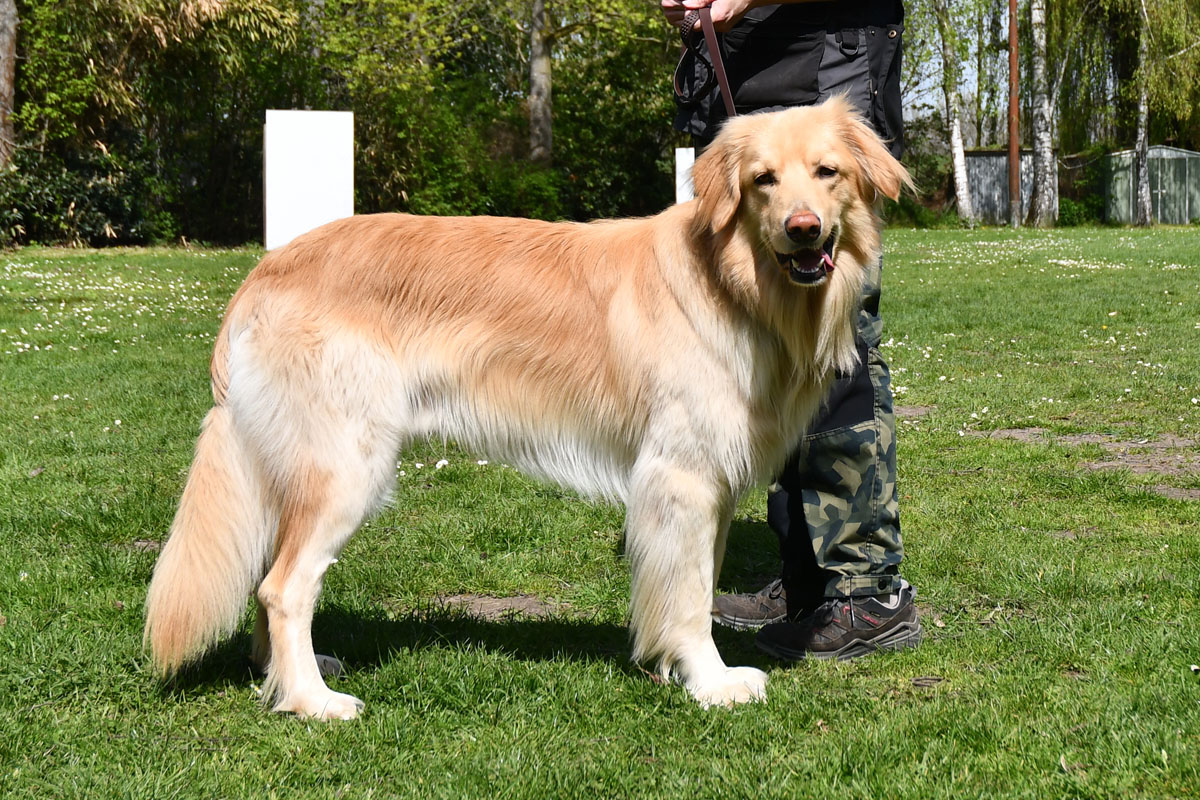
(216, 552)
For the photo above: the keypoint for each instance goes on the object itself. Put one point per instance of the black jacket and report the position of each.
(799, 54)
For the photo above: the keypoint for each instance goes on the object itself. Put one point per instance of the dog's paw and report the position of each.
(739, 685)
(326, 705)
(329, 666)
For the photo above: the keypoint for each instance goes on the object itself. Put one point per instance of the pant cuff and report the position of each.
(862, 585)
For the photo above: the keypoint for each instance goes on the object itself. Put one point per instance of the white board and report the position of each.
(684, 158)
(308, 172)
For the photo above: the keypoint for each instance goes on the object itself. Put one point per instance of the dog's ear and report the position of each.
(717, 182)
(879, 170)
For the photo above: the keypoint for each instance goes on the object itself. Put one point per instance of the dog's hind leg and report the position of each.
(260, 648)
(674, 524)
(323, 506)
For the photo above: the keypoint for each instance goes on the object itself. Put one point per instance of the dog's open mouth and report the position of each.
(809, 266)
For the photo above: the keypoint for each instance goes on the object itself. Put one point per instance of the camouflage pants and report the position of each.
(834, 506)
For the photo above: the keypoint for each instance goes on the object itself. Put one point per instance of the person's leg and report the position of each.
(834, 506)
(835, 510)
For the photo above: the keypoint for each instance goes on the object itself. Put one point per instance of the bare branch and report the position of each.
(1187, 49)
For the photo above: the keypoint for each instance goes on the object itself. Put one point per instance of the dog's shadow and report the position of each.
(366, 640)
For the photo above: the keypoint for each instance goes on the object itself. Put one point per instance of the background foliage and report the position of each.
(141, 120)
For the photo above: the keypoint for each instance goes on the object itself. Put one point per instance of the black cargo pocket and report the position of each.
(773, 70)
(884, 49)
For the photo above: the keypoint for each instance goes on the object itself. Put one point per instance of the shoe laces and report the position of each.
(824, 613)
(827, 610)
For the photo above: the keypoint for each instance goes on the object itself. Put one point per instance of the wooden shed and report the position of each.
(987, 177)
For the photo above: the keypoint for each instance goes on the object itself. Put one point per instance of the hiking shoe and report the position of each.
(748, 612)
(847, 627)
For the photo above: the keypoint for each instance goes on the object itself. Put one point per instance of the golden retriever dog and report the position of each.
(669, 363)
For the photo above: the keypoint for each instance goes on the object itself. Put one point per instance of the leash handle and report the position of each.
(718, 63)
(714, 62)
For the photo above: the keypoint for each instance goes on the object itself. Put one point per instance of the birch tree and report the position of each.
(1043, 206)
(1166, 79)
(1143, 211)
(950, 68)
(1176, 29)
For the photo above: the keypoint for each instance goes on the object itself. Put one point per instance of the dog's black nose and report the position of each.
(803, 227)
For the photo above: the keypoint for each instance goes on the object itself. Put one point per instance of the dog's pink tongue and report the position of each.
(828, 259)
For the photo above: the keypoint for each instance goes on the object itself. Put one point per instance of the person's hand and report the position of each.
(725, 13)
(674, 11)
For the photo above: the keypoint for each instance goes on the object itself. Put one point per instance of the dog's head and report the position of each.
(795, 187)
(787, 201)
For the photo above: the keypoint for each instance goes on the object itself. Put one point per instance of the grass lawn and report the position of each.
(1050, 484)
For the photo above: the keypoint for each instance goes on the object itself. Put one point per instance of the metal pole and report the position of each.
(1014, 117)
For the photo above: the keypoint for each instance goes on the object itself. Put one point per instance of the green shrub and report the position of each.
(909, 212)
(525, 190)
(91, 197)
(1089, 211)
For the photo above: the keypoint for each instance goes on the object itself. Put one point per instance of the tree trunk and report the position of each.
(1043, 206)
(962, 191)
(541, 126)
(1014, 126)
(981, 54)
(8, 66)
(1143, 212)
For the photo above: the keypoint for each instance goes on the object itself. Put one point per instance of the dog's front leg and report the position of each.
(675, 519)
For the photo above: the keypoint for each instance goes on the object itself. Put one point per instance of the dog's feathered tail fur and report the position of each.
(216, 552)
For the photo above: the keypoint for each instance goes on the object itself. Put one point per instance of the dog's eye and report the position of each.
(765, 179)
(826, 171)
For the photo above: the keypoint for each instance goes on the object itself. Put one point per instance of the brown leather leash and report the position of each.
(703, 18)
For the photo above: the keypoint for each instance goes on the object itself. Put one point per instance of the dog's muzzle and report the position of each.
(809, 266)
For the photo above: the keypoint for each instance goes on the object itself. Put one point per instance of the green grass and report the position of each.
(1061, 601)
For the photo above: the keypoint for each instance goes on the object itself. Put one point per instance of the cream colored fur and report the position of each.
(668, 363)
